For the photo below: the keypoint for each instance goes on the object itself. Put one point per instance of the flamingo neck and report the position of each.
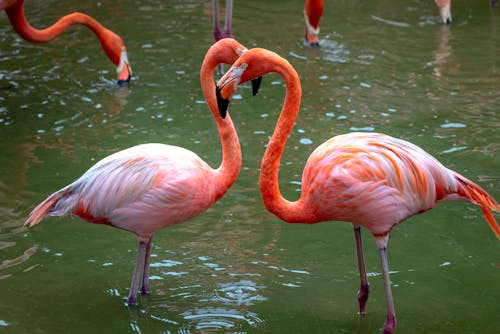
(290, 212)
(226, 174)
(18, 20)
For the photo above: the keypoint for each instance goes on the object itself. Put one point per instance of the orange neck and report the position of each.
(290, 212)
(18, 20)
(231, 152)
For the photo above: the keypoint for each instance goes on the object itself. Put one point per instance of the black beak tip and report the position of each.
(222, 103)
(122, 83)
(256, 85)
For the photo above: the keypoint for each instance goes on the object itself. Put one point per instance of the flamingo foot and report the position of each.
(145, 290)
(132, 300)
(390, 324)
(363, 293)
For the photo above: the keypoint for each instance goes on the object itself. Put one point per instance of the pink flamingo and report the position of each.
(367, 179)
(313, 10)
(111, 43)
(148, 187)
(445, 9)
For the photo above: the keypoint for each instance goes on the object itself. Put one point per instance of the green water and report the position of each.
(385, 66)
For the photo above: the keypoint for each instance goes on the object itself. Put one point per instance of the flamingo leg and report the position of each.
(364, 289)
(139, 266)
(145, 272)
(390, 321)
(216, 31)
(228, 19)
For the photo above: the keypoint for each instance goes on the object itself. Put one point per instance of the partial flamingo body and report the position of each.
(313, 11)
(111, 43)
(368, 179)
(445, 9)
(149, 187)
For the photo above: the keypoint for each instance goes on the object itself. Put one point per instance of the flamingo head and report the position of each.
(237, 74)
(116, 52)
(444, 10)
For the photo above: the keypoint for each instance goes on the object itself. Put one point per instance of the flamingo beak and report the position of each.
(228, 84)
(445, 13)
(222, 103)
(256, 85)
(123, 70)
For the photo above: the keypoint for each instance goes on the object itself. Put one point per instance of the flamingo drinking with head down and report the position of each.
(367, 179)
(148, 187)
(445, 9)
(111, 43)
(313, 10)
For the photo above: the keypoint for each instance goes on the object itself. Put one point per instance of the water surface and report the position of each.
(385, 66)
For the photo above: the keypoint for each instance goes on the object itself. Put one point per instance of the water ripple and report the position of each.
(218, 318)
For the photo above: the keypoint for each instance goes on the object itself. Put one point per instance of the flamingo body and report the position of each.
(368, 179)
(373, 180)
(148, 187)
(142, 189)
(111, 43)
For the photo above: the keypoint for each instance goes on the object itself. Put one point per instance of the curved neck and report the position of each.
(230, 167)
(290, 212)
(23, 28)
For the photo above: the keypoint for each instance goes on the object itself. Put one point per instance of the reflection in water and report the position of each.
(443, 53)
(213, 319)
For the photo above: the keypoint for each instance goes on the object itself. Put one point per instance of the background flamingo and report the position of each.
(368, 179)
(445, 9)
(148, 187)
(111, 43)
(313, 10)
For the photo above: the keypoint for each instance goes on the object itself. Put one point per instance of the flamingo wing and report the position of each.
(374, 180)
(140, 189)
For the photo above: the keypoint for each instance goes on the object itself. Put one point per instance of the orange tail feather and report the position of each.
(479, 196)
(43, 209)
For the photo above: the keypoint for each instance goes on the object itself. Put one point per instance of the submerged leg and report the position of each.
(139, 266)
(364, 289)
(390, 321)
(145, 272)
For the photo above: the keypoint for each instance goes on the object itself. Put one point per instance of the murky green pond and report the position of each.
(385, 66)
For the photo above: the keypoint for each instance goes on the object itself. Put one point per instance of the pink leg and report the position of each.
(364, 289)
(228, 19)
(139, 266)
(216, 31)
(390, 321)
(145, 272)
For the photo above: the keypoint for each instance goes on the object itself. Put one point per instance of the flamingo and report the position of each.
(445, 9)
(111, 43)
(152, 186)
(368, 179)
(313, 10)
